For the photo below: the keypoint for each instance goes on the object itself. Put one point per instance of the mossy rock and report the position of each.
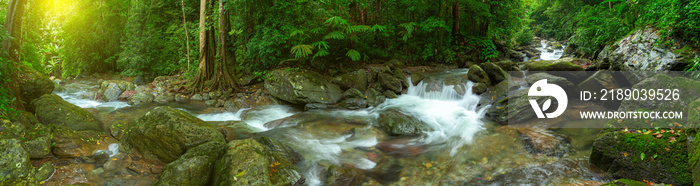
(551, 79)
(52, 109)
(496, 74)
(688, 91)
(37, 141)
(390, 82)
(398, 124)
(357, 80)
(302, 87)
(199, 165)
(374, 97)
(514, 109)
(165, 133)
(344, 176)
(641, 156)
(625, 182)
(565, 64)
(14, 162)
(478, 75)
(26, 118)
(249, 162)
(33, 85)
(70, 143)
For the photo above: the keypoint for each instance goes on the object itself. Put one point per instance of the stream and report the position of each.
(461, 146)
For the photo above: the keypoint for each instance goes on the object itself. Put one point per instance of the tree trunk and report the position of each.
(13, 26)
(187, 35)
(213, 75)
(456, 16)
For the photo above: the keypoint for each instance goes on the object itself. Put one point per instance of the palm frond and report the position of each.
(301, 51)
(354, 55)
(335, 35)
(321, 45)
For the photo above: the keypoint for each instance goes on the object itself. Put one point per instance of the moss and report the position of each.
(620, 154)
(625, 182)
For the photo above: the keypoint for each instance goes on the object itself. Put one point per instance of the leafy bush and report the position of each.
(525, 36)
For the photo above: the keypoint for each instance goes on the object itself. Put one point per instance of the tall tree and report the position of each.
(213, 74)
(13, 25)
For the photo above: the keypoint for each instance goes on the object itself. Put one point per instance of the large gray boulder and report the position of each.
(639, 52)
(249, 162)
(33, 85)
(165, 133)
(193, 167)
(302, 87)
(398, 124)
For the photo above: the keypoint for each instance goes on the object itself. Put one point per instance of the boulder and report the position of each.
(390, 82)
(685, 86)
(543, 141)
(478, 75)
(638, 52)
(398, 124)
(249, 162)
(495, 73)
(165, 133)
(52, 109)
(70, 143)
(479, 88)
(37, 141)
(417, 78)
(344, 176)
(514, 109)
(354, 103)
(14, 162)
(353, 93)
(374, 97)
(111, 92)
(33, 85)
(390, 94)
(641, 156)
(302, 87)
(551, 79)
(45, 171)
(563, 64)
(195, 167)
(357, 80)
(140, 98)
(166, 97)
(139, 80)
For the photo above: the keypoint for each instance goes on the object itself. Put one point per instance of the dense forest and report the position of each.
(233, 46)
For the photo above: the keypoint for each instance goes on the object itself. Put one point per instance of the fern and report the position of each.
(321, 45)
(301, 51)
(296, 32)
(335, 35)
(335, 20)
(354, 55)
(408, 33)
(379, 28)
(357, 28)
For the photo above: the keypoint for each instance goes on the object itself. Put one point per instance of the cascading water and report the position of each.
(550, 55)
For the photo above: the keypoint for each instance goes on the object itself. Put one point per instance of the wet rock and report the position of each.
(514, 109)
(602, 80)
(398, 124)
(235, 104)
(302, 87)
(495, 73)
(354, 103)
(357, 80)
(180, 98)
(197, 97)
(316, 106)
(374, 97)
(165, 133)
(33, 85)
(249, 162)
(353, 93)
(236, 131)
(390, 82)
(564, 64)
(344, 176)
(479, 88)
(111, 92)
(210, 103)
(417, 78)
(638, 52)
(166, 97)
(389, 94)
(37, 142)
(246, 80)
(45, 171)
(394, 63)
(543, 141)
(140, 98)
(619, 154)
(551, 79)
(198, 163)
(14, 162)
(70, 143)
(52, 109)
(11, 129)
(388, 170)
(117, 162)
(478, 75)
(126, 95)
(25, 118)
(684, 85)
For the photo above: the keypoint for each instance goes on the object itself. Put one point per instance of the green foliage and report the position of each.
(354, 55)
(6, 99)
(301, 51)
(525, 36)
(693, 68)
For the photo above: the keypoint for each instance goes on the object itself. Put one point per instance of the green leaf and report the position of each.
(335, 35)
(335, 20)
(642, 156)
(301, 51)
(354, 55)
(357, 28)
(321, 45)
(654, 156)
(379, 28)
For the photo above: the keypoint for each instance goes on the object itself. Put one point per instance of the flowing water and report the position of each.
(461, 147)
(548, 53)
